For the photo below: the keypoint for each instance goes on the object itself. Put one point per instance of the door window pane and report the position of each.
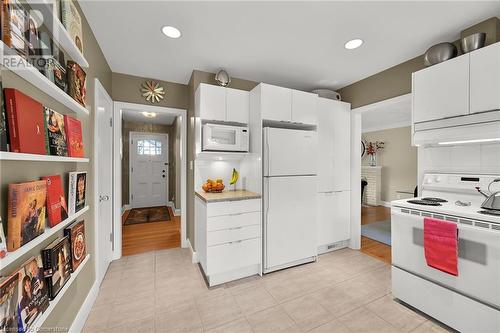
(149, 147)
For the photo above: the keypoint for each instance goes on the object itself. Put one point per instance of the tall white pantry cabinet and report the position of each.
(334, 164)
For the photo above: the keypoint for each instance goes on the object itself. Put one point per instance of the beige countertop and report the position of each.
(229, 195)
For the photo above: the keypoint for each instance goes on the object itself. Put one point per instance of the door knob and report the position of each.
(163, 176)
(103, 198)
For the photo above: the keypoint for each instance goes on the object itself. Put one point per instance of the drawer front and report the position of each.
(233, 207)
(231, 256)
(232, 221)
(233, 234)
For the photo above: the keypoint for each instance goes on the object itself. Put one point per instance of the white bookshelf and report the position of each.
(22, 68)
(9, 156)
(38, 323)
(49, 232)
(59, 33)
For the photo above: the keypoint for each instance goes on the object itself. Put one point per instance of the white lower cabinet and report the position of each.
(333, 220)
(228, 239)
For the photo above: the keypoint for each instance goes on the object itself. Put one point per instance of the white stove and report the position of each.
(469, 302)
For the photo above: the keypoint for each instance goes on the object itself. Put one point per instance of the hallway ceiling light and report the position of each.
(149, 114)
(171, 32)
(353, 44)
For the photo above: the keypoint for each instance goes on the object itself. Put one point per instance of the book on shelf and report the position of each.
(57, 209)
(33, 290)
(45, 66)
(77, 187)
(72, 21)
(9, 295)
(32, 35)
(77, 79)
(4, 132)
(58, 66)
(25, 122)
(3, 241)
(76, 236)
(26, 209)
(56, 134)
(74, 136)
(57, 264)
(14, 26)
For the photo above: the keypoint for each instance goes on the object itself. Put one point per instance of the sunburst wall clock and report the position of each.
(152, 91)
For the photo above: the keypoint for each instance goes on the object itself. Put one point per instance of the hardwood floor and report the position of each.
(369, 246)
(145, 237)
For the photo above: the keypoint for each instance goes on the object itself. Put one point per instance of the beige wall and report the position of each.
(171, 131)
(198, 77)
(396, 81)
(12, 172)
(398, 160)
(127, 88)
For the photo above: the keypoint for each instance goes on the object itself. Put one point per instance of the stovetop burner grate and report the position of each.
(434, 199)
(424, 202)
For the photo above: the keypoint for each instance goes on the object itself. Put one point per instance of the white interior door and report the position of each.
(148, 169)
(103, 166)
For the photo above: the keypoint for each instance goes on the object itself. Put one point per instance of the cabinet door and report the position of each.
(333, 217)
(276, 103)
(237, 105)
(441, 91)
(485, 79)
(341, 146)
(304, 107)
(212, 102)
(326, 139)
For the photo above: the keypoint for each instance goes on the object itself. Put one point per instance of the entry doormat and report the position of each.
(147, 215)
(379, 231)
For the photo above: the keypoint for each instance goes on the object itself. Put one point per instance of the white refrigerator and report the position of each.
(290, 194)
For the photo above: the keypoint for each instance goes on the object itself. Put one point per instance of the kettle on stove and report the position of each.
(492, 201)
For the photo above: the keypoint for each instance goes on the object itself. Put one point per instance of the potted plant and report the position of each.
(372, 149)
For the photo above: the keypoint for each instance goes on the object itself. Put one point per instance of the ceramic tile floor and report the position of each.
(162, 291)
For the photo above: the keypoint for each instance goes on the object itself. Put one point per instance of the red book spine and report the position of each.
(12, 119)
(74, 136)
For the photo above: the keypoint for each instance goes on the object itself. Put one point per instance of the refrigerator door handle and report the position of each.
(268, 153)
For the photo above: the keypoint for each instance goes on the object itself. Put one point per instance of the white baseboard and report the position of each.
(194, 257)
(385, 203)
(177, 211)
(83, 313)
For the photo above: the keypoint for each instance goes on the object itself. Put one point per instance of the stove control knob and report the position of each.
(428, 180)
(437, 179)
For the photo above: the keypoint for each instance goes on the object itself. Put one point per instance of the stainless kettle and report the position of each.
(492, 201)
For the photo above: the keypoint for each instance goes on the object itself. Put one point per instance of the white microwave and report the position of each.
(224, 138)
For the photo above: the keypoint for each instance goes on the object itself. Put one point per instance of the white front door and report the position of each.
(103, 165)
(148, 169)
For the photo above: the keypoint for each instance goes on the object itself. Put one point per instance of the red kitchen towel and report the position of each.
(441, 245)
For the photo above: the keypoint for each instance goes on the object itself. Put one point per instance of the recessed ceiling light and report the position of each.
(171, 32)
(353, 44)
(149, 114)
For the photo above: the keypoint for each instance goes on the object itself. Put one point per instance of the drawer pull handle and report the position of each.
(236, 214)
(236, 228)
(236, 242)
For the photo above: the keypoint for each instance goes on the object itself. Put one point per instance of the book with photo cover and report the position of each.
(56, 202)
(9, 294)
(56, 134)
(77, 191)
(76, 235)
(14, 26)
(72, 21)
(74, 136)
(26, 123)
(58, 66)
(77, 79)
(33, 297)
(57, 264)
(4, 134)
(32, 34)
(25, 212)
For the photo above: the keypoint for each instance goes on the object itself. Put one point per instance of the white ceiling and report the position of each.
(137, 116)
(391, 113)
(294, 44)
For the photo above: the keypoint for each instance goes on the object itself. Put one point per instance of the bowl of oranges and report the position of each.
(213, 186)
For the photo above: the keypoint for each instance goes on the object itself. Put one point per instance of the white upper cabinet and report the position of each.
(334, 123)
(485, 79)
(212, 101)
(304, 107)
(276, 103)
(222, 104)
(237, 105)
(441, 91)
